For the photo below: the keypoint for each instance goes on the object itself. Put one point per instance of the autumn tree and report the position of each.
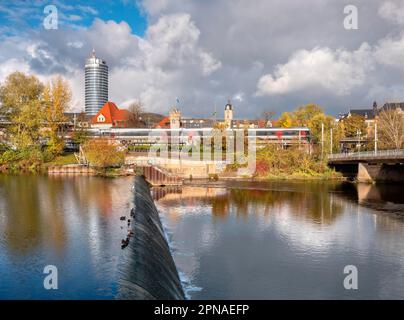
(303, 115)
(391, 128)
(102, 153)
(353, 124)
(313, 117)
(17, 91)
(25, 131)
(56, 98)
(20, 98)
(285, 120)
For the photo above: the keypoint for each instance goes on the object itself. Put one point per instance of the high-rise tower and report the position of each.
(96, 84)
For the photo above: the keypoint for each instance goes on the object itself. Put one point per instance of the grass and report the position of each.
(64, 159)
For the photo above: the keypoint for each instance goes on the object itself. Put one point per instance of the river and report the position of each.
(229, 240)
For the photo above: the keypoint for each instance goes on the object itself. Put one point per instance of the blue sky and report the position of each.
(22, 15)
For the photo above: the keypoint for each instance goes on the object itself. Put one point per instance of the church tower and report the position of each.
(228, 115)
(175, 118)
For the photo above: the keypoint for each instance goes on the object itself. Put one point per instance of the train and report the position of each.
(144, 136)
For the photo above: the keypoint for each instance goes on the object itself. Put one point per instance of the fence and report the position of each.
(390, 154)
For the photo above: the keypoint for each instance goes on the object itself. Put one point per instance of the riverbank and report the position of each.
(267, 169)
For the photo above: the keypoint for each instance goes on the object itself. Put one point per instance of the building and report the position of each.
(370, 114)
(176, 121)
(96, 84)
(77, 119)
(110, 116)
(175, 118)
(228, 115)
(398, 106)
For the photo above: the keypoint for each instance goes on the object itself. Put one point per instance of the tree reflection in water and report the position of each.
(308, 201)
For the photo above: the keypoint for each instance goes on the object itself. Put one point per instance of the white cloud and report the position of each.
(87, 9)
(392, 11)
(12, 65)
(167, 60)
(338, 71)
(390, 52)
(206, 51)
(154, 6)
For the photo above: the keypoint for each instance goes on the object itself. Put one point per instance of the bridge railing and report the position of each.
(397, 153)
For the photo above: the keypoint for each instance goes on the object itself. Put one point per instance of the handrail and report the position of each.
(397, 153)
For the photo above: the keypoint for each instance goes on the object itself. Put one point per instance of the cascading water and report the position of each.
(149, 271)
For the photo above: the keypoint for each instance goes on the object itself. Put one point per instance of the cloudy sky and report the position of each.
(263, 54)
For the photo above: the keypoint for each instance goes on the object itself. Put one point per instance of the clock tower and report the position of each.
(228, 114)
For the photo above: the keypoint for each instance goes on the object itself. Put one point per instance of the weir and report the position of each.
(150, 271)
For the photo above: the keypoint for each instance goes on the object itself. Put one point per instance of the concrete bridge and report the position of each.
(370, 166)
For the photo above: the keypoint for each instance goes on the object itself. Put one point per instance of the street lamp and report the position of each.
(322, 140)
(375, 138)
(358, 132)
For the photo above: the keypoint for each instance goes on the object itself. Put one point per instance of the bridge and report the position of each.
(370, 166)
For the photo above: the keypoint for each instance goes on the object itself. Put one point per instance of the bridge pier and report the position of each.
(380, 172)
(370, 166)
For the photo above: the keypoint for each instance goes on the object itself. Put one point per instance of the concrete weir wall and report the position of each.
(149, 269)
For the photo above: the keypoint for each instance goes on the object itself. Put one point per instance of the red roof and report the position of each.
(164, 123)
(112, 115)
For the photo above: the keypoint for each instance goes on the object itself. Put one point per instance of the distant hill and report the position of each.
(150, 119)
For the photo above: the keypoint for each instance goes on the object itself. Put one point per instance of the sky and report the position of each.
(264, 55)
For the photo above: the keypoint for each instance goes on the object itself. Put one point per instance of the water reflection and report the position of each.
(71, 222)
(285, 240)
(267, 198)
(230, 240)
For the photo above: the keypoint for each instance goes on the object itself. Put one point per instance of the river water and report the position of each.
(229, 240)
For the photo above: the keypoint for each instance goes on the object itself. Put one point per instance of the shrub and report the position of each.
(103, 154)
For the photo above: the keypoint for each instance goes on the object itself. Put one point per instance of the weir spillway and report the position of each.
(149, 270)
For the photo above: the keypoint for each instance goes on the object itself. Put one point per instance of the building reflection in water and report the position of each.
(275, 235)
(311, 203)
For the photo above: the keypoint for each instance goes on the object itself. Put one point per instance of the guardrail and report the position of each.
(393, 154)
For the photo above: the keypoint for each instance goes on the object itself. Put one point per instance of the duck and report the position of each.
(124, 243)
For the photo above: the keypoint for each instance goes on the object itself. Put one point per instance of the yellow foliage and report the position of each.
(102, 153)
